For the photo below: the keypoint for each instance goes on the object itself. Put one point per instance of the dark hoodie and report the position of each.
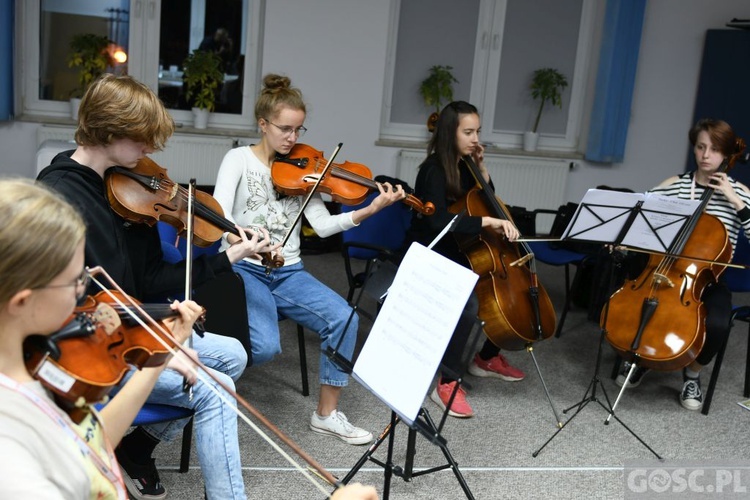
(129, 252)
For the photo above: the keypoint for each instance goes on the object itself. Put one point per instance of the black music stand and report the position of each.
(377, 283)
(424, 425)
(629, 220)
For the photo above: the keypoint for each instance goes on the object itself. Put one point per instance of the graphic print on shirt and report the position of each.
(275, 214)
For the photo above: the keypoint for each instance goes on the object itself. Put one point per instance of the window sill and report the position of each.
(421, 145)
(179, 127)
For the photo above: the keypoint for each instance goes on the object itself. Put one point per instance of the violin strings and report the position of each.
(200, 375)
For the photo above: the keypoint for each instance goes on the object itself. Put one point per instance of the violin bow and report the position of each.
(186, 385)
(312, 192)
(309, 197)
(205, 376)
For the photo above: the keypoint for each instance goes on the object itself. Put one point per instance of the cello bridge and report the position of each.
(662, 279)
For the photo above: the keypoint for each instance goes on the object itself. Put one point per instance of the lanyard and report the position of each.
(111, 473)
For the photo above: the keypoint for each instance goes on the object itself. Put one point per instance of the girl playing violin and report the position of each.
(121, 121)
(44, 454)
(444, 178)
(245, 191)
(713, 141)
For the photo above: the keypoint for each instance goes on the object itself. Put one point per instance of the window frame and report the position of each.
(143, 63)
(486, 66)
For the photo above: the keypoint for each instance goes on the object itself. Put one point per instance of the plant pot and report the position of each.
(201, 118)
(75, 103)
(530, 140)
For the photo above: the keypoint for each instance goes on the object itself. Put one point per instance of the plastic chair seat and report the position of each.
(152, 413)
(544, 252)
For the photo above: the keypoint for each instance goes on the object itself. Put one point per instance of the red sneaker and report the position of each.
(496, 367)
(460, 407)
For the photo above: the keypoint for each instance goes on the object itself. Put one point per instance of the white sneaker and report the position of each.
(336, 424)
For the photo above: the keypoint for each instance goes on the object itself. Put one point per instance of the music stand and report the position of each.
(409, 360)
(647, 221)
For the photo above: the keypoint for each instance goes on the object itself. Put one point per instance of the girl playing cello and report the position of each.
(444, 178)
(713, 142)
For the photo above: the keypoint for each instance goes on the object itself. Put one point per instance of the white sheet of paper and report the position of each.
(413, 328)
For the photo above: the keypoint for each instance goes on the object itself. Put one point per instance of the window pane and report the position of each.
(60, 23)
(439, 32)
(220, 28)
(530, 42)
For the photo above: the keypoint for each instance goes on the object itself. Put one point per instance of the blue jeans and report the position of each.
(291, 292)
(215, 424)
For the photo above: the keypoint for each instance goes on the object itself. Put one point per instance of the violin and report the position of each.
(145, 194)
(91, 353)
(513, 304)
(658, 319)
(349, 183)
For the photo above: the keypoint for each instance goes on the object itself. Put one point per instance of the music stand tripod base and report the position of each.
(591, 394)
(426, 426)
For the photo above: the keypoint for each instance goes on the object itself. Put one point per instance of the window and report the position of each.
(156, 35)
(494, 46)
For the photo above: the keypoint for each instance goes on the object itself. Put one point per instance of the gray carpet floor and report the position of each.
(494, 450)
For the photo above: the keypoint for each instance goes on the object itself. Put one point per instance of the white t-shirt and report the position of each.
(38, 459)
(245, 191)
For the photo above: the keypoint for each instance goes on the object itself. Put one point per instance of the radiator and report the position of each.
(520, 181)
(185, 156)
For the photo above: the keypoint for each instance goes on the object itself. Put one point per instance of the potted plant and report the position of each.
(435, 89)
(203, 76)
(88, 51)
(547, 84)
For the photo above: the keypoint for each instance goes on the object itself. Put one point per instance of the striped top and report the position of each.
(718, 205)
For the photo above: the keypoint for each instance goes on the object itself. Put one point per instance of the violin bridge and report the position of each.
(662, 279)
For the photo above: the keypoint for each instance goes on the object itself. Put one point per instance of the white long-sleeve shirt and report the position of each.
(245, 191)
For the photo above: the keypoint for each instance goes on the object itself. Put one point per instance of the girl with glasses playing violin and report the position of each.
(44, 453)
(245, 191)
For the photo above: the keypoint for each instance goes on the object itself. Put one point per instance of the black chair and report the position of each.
(377, 237)
(157, 413)
(553, 254)
(153, 413)
(738, 281)
(224, 300)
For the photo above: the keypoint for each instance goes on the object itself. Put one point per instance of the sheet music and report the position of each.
(660, 219)
(602, 215)
(413, 328)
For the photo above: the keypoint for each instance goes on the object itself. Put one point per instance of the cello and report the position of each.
(513, 304)
(658, 319)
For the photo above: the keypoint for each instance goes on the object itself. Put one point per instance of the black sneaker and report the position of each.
(141, 480)
(691, 396)
(635, 379)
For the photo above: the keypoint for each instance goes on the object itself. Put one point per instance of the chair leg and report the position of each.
(303, 360)
(714, 377)
(567, 302)
(187, 438)
(747, 366)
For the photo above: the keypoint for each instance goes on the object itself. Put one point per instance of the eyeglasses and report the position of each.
(81, 284)
(287, 130)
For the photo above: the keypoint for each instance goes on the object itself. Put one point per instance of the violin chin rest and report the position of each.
(41, 344)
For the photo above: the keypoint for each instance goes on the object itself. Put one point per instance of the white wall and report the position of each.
(335, 51)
